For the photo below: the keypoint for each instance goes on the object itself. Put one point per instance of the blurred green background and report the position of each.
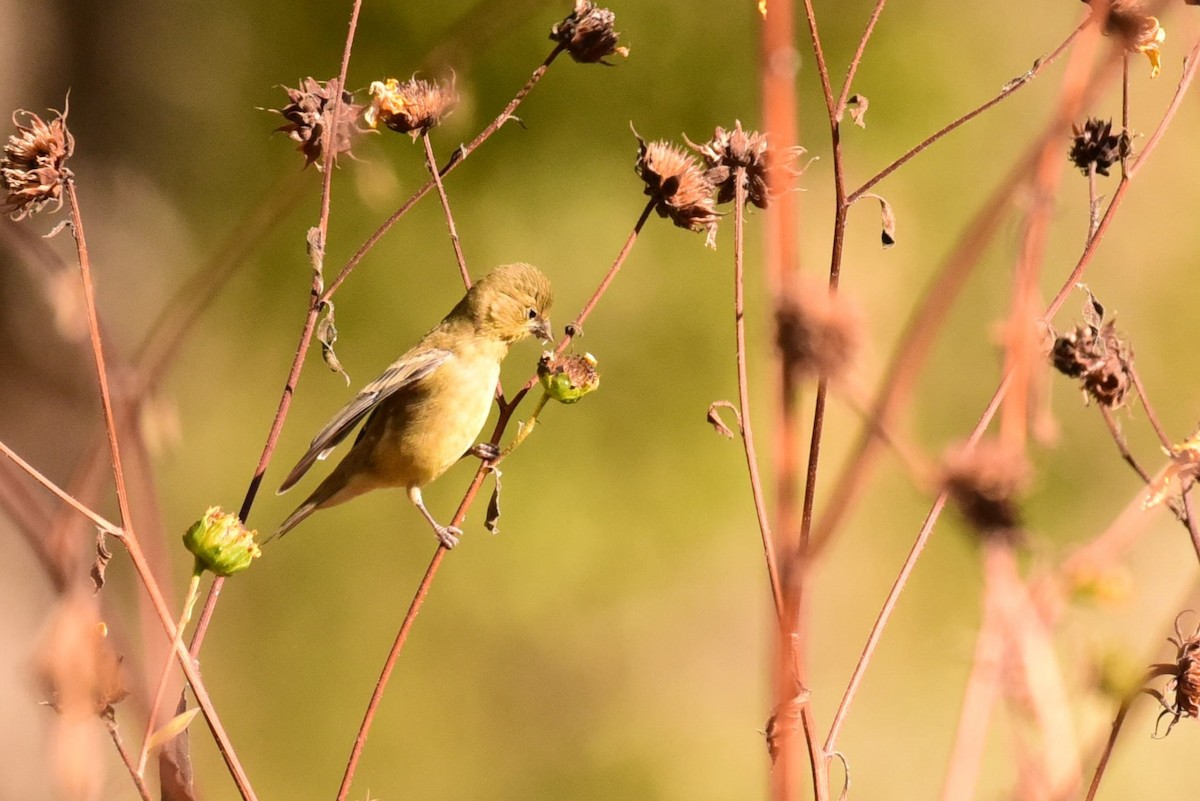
(612, 641)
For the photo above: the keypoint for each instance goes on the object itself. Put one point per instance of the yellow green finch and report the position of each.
(426, 410)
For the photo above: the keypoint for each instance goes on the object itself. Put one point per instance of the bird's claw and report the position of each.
(487, 451)
(448, 535)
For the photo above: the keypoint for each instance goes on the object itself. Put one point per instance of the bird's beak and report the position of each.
(540, 328)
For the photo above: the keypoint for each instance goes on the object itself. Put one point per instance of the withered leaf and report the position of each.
(327, 334)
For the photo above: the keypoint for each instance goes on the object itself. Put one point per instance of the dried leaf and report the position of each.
(315, 245)
(327, 335)
(887, 219)
(857, 106)
(172, 728)
(714, 417)
(492, 521)
(1093, 310)
(175, 766)
(103, 557)
(56, 230)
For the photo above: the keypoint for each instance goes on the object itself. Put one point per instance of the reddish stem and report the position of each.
(431, 163)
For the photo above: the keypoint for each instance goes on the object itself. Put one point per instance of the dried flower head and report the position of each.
(1182, 470)
(587, 34)
(1094, 145)
(1138, 31)
(568, 379)
(33, 168)
(818, 333)
(78, 668)
(680, 188)
(1185, 679)
(221, 543)
(412, 107)
(1095, 354)
(984, 481)
(726, 151)
(308, 117)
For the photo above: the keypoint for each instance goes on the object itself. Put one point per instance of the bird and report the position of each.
(426, 410)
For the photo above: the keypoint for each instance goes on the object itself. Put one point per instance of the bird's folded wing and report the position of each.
(410, 368)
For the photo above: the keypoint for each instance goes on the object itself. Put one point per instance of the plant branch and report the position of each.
(840, 108)
(431, 163)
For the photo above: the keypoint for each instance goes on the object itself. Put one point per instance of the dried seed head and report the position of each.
(568, 379)
(1093, 353)
(1138, 31)
(33, 168)
(728, 150)
(984, 482)
(1094, 144)
(679, 187)
(817, 333)
(1185, 678)
(412, 107)
(308, 116)
(587, 34)
(78, 668)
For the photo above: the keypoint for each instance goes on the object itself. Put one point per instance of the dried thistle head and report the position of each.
(587, 34)
(680, 188)
(728, 150)
(1185, 678)
(412, 107)
(1095, 145)
(33, 168)
(308, 114)
(1097, 356)
(569, 378)
(1137, 31)
(984, 482)
(817, 333)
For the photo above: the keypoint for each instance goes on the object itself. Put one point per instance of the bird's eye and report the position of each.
(533, 314)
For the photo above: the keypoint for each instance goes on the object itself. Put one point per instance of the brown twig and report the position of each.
(110, 723)
(744, 424)
(852, 70)
(431, 163)
(1008, 89)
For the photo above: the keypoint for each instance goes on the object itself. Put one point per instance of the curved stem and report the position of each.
(431, 163)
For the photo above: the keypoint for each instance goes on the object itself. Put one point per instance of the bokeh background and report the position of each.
(612, 641)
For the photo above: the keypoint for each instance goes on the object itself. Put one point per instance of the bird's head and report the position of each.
(511, 302)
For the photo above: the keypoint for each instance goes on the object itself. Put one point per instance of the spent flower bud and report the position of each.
(570, 378)
(587, 34)
(33, 167)
(1094, 144)
(308, 117)
(680, 188)
(412, 107)
(221, 543)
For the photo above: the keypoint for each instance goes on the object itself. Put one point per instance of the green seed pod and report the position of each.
(569, 379)
(221, 543)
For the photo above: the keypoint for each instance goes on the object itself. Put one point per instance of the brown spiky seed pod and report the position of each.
(680, 188)
(817, 333)
(411, 107)
(726, 151)
(308, 115)
(33, 168)
(984, 481)
(1099, 358)
(1095, 145)
(587, 34)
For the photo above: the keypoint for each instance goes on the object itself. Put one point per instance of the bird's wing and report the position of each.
(411, 367)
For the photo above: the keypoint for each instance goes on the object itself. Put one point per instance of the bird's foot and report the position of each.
(447, 535)
(487, 451)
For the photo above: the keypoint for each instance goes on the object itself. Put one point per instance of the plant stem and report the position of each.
(431, 163)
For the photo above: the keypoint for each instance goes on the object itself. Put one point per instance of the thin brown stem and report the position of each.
(840, 108)
(89, 297)
(1114, 428)
(1006, 92)
(1151, 414)
(586, 311)
(455, 160)
(143, 791)
(746, 429)
(63, 495)
(1106, 754)
(431, 163)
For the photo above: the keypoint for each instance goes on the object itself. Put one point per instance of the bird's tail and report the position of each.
(302, 511)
